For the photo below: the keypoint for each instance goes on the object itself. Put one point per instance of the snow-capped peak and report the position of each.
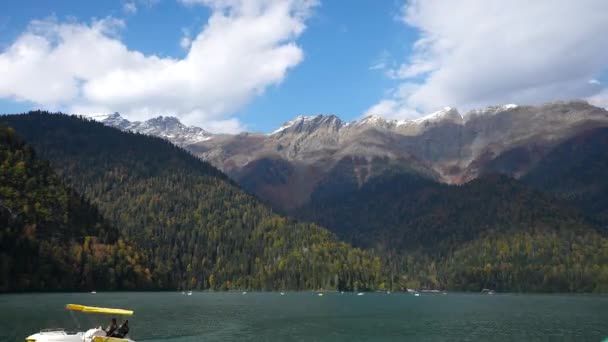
(372, 118)
(104, 117)
(445, 113)
(494, 109)
(291, 123)
(310, 123)
(167, 127)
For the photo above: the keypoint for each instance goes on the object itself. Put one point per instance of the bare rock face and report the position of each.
(166, 127)
(319, 154)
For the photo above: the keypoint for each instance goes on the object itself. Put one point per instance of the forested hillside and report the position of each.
(50, 237)
(189, 226)
(492, 232)
(196, 228)
(577, 171)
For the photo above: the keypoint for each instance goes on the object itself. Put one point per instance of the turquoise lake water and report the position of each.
(304, 316)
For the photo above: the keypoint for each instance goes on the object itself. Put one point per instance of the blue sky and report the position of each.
(393, 58)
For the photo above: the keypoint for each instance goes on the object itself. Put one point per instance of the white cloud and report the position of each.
(244, 47)
(392, 107)
(378, 65)
(230, 125)
(186, 39)
(129, 7)
(185, 42)
(381, 63)
(600, 99)
(474, 53)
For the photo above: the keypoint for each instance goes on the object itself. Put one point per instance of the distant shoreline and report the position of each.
(392, 292)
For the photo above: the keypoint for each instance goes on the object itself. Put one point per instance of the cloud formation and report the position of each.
(474, 53)
(244, 47)
(129, 7)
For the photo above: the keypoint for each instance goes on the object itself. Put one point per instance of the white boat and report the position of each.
(93, 292)
(360, 294)
(282, 293)
(91, 335)
(189, 293)
(430, 291)
(416, 294)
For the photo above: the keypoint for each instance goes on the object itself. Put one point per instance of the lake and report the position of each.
(304, 316)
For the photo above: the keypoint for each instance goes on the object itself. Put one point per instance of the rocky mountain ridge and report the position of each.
(166, 127)
(288, 165)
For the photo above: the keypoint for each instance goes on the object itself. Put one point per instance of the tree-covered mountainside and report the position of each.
(577, 171)
(195, 227)
(180, 223)
(492, 232)
(50, 237)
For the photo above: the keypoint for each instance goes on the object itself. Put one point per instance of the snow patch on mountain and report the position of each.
(493, 109)
(310, 123)
(166, 127)
(447, 113)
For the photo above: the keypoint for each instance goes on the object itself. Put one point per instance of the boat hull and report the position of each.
(93, 335)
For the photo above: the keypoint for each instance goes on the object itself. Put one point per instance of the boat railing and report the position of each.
(59, 330)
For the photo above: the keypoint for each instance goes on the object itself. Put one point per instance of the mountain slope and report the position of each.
(576, 171)
(492, 232)
(198, 228)
(446, 146)
(50, 237)
(166, 127)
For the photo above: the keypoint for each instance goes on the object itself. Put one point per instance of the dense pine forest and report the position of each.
(116, 210)
(51, 237)
(576, 171)
(493, 232)
(191, 226)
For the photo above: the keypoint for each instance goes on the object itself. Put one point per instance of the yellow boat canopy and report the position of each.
(94, 309)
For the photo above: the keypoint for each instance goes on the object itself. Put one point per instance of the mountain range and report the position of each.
(183, 222)
(526, 213)
(313, 156)
(166, 127)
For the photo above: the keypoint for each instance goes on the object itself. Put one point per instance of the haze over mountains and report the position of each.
(315, 155)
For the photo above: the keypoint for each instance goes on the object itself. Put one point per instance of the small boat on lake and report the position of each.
(115, 334)
(488, 291)
(430, 291)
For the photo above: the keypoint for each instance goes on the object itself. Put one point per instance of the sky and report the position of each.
(236, 65)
